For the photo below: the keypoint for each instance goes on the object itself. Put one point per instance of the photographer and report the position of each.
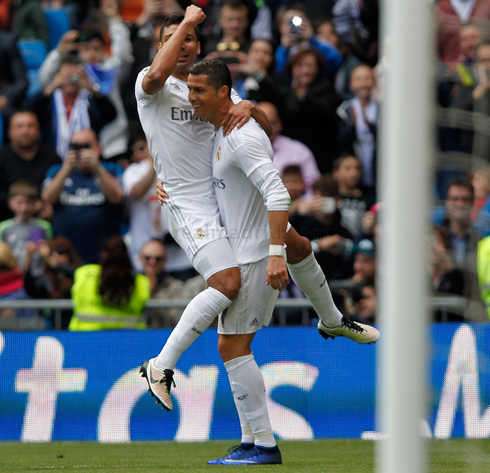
(86, 196)
(71, 102)
(297, 34)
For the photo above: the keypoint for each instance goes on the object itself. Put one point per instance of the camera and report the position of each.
(74, 78)
(78, 146)
(294, 24)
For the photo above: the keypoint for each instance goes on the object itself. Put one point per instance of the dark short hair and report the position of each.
(292, 170)
(326, 185)
(70, 59)
(176, 19)
(461, 182)
(217, 72)
(234, 5)
(89, 35)
(342, 158)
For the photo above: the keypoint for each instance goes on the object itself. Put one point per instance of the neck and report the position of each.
(347, 190)
(27, 152)
(365, 101)
(182, 75)
(459, 228)
(220, 113)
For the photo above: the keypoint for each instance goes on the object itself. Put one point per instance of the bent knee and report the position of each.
(298, 249)
(228, 282)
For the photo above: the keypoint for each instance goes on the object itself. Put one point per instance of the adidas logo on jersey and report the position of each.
(254, 323)
(176, 87)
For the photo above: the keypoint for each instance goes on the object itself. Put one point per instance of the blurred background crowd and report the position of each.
(77, 200)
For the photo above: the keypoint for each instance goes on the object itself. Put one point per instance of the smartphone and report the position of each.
(79, 146)
(329, 205)
(294, 24)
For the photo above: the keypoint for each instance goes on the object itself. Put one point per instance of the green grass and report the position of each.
(336, 456)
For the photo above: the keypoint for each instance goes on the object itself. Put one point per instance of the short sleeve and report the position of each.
(52, 171)
(142, 97)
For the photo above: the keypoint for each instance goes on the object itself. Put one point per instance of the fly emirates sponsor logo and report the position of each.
(182, 115)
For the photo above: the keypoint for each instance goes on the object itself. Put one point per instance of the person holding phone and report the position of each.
(86, 195)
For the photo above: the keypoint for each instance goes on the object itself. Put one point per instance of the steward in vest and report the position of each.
(483, 267)
(109, 295)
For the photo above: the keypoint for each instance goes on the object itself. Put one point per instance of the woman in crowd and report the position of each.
(109, 295)
(308, 106)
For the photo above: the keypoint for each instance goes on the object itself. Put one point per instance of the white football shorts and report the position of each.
(252, 309)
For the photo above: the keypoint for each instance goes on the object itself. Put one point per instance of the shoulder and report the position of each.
(53, 170)
(44, 224)
(113, 168)
(251, 132)
(87, 270)
(48, 153)
(5, 224)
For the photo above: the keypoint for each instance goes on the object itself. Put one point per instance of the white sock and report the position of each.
(197, 317)
(247, 385)
(309, 277)
(247, 434)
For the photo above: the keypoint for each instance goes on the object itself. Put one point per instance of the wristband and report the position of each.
(276, 250)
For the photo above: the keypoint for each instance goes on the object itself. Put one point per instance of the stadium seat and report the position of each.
(58, 23)
(33, 52)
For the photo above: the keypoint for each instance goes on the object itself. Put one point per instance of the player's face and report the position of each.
(190, 48)
(202, 96)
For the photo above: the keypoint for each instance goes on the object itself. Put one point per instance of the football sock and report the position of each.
(197, 317)
(247, 385)
(309, 277)
(247, 434)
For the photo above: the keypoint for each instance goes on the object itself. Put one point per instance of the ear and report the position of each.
(223, 92)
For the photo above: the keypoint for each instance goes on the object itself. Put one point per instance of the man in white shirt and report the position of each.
(181, 144)
(245, 179)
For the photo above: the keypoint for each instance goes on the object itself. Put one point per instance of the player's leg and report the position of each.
(249, 312)
(216, 262)
(308, 276)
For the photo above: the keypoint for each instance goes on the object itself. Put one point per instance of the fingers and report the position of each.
(229, 123)
(277, 281)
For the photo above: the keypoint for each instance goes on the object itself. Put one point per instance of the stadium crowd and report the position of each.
(75, 167)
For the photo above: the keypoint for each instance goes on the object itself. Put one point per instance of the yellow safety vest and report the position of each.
(483, 268)
(90, 314)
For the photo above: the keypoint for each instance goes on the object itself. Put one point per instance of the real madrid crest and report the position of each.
(218, 154)
(201, 234)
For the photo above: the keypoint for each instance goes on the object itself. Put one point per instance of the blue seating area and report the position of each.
(59, 24)
(34, 52)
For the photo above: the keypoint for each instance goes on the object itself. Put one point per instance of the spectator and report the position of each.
(358, 125)
(357, 23)
(364, 261)
(470, 38)
(11, 282)
(292, 177)
(139, 178)
(481, 186)
(308, 107)
(353, 203)
(319, 220)
(104, 71)
(24, 157)
(71, 102)
(251, 67)
(287, 151)
(234, 31)
(365, 303)
(86, 195)
(109, 295)
(299, 36)
(463, 237)
(451, 16)
(30, 22)
(53, 278)
(164, 286)
(13, 78)
(17, 232)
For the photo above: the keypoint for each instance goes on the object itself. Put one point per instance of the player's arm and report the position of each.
(265, 178)
(168, 55)
(240, 113)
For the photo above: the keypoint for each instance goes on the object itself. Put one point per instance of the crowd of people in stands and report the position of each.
(76, 170)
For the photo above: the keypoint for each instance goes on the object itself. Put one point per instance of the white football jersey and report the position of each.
(179, 143)
(241, 205)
